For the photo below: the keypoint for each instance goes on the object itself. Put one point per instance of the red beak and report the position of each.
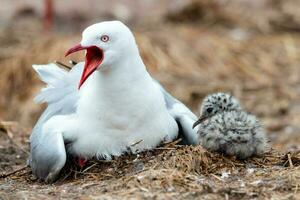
(93, 58)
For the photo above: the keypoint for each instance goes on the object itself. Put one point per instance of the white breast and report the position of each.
(112, 116)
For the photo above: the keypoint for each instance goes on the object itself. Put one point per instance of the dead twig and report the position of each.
(63, 65)
(93, 165)
(13, 172)
(136, 143)
(165, 148)
(296, 189)
(290, 160)
(172, 143)
(217, 177)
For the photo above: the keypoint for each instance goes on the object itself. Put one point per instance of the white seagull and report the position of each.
(103, 105)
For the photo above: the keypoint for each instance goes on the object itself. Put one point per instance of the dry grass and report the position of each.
(262, 16)
(170, 171)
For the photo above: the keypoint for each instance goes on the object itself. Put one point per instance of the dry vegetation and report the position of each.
(260, 64)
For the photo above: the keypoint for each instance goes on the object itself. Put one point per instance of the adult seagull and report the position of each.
(116, 107)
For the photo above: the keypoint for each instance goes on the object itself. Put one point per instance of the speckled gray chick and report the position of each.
(225, 128)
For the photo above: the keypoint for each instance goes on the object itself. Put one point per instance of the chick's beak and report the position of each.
(199, 121)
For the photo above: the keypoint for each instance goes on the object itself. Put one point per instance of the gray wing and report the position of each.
(47, 155)
(183, 116)
(47, 149)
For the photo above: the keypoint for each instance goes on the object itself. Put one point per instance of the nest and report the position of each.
(171, 169)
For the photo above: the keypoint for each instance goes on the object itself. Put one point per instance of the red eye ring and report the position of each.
(104, 38)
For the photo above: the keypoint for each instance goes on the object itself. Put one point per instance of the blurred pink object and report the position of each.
(48, 15)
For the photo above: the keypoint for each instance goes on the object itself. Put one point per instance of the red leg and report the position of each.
(81, 162)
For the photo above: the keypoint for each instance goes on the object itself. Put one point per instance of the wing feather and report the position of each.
(48, 153)
(184, 117)
(61, 93)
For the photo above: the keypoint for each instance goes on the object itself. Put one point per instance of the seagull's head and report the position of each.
(216, 103)
(106, 43)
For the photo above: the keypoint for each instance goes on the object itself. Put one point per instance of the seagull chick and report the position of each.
(225, 128)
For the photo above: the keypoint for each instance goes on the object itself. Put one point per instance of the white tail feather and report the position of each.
(61, 92)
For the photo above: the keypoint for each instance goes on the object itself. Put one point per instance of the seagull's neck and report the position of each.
(114, 87)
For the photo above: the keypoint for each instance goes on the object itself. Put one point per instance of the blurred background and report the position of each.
(249, 48)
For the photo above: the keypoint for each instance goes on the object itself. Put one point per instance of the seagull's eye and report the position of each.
(209, 110)
(104, 38)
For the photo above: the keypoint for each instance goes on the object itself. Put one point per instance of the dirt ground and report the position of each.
(259, 63)
(167, 172)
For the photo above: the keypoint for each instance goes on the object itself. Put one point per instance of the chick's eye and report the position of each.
(209, 110)
(104, 38)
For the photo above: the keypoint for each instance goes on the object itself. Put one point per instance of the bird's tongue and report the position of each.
(93, 59)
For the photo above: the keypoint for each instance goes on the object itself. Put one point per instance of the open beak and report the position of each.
(93, 58)
(199, 121)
